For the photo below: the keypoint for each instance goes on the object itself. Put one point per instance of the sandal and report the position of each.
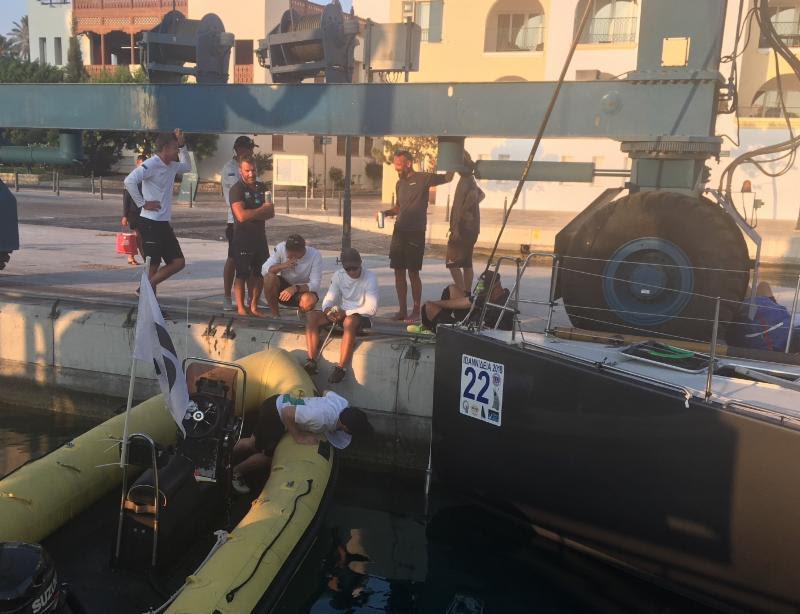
(311, 366)
(337, 375)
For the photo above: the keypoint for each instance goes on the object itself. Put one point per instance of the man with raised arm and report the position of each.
(150, 186)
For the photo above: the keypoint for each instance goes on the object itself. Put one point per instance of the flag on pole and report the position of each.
(153, 344)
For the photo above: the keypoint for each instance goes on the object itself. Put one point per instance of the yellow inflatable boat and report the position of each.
(171, 551)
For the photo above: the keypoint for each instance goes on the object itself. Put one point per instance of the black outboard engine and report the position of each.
(28, 580)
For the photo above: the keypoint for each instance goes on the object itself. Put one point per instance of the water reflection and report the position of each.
(27, 434)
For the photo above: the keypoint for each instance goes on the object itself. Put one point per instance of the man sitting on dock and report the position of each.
(456, 306)
(292, 276)
(351, 301)
(307, 419)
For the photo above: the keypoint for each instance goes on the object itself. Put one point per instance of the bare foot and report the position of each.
(242, 312)
(413, 318)
(399, 316)
(257, 314)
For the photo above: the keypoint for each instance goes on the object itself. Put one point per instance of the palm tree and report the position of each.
(5, 46)
(19, 39)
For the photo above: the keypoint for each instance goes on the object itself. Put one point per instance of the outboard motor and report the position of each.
(28, 580)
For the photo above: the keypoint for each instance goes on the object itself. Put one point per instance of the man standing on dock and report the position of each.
(252, 206)
(242, 146)
(465, 226)
(150, 185)
(408, 239)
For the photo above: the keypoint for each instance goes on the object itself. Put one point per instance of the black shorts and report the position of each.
(407, 249)
(249, 260)
(295, 300)
(229, 237)
(459, 254)
(364, 323)
(159, 241)
(270, 428)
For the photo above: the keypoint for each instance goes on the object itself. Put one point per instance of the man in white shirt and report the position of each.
(351, 301)
(292, 276)
(150, 185)
(307, 419)
(243, 146)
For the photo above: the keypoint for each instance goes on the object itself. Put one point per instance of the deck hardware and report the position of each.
(55, 312)
(130, 321)
(211, 330)
(229, 332)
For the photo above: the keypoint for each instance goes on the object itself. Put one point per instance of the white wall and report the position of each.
(49, 22)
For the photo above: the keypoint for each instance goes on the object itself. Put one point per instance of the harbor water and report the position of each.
(379, 553)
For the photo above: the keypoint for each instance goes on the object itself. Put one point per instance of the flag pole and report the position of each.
(123, 456)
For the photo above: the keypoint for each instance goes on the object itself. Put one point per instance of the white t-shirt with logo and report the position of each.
(319, 415)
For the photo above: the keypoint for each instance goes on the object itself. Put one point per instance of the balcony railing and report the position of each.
(523, 39)
(788, 32)
(243, 73)
(768, 112)
(99, 5)
(611, 30)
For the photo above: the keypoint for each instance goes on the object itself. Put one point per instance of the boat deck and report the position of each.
(773, 399)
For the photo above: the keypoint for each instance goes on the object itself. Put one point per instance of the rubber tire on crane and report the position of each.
(692, 252)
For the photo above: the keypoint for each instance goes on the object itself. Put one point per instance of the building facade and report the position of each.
(49, 28)
(528, 40)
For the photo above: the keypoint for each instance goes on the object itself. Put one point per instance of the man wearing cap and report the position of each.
(307, 419)
(243, 146)
(456, 306)
(408, 239)
(351, 301)
(292, 276)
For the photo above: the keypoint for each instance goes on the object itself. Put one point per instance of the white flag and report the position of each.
(153, 344)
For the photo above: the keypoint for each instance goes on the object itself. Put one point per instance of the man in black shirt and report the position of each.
(456, 305)
(130, 213)
(251, 204)
(408, 239)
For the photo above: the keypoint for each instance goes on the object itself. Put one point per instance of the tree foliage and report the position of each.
(337, 177)
(423, 148)
(20, 39)
(75, 72)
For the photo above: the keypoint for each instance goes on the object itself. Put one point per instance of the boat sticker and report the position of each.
(481, 389)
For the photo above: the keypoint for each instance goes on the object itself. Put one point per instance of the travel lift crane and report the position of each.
(653, 259)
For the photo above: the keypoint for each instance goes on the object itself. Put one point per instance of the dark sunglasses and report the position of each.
(352, 268)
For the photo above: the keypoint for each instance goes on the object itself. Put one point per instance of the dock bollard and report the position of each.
(101, 188)
(16, 181)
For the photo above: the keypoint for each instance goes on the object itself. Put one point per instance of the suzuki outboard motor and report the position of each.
(28, 580)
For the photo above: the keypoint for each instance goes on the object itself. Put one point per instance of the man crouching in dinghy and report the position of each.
(307, 419)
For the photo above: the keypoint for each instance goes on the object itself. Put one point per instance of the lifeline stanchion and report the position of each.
(712, 357)
(447, 210)
(16, 181)
(191, 195)
(794, 312)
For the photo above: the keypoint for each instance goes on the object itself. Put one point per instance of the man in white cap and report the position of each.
(351, 301)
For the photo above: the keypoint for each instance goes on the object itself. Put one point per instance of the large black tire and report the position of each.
(653, 262)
